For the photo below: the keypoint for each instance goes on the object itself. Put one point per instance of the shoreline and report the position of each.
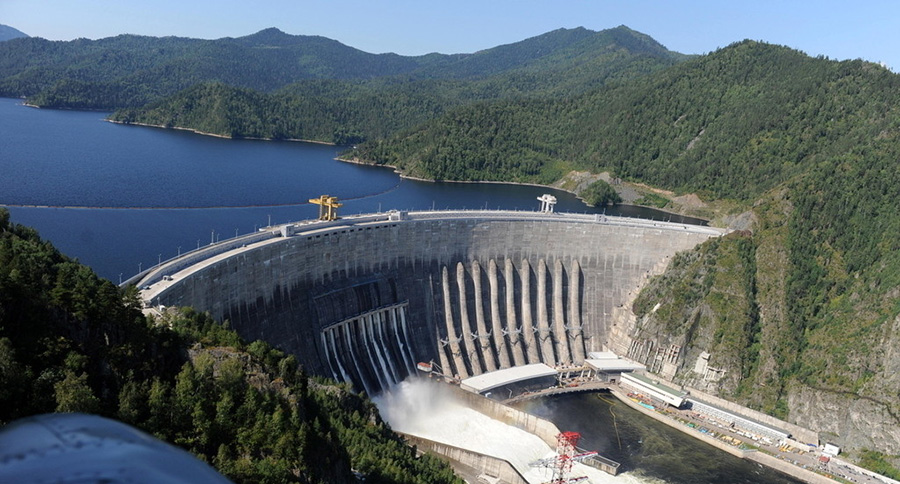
(395, 169)
(401, 174)
(757, 456)
(216, 135)
(60, 108)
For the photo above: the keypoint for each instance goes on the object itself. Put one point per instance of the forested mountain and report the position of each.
(72, 342)
(802, 313)
(730, 124)
(7, 32)
(129, 70)
(560, 63)
(132, 70)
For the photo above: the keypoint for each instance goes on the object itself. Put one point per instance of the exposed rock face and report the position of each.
(848, 420)
(719, 320)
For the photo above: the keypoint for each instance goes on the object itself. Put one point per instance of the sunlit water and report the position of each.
(165, 192)
(428, 410)
(193, 189)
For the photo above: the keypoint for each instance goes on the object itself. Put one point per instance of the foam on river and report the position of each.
(425, 409)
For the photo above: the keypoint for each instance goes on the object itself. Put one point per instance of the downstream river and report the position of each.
(644, 447)
(122, 198)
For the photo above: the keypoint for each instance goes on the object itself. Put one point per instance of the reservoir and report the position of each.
(122, 198)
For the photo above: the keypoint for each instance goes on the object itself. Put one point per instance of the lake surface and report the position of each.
(121, 198)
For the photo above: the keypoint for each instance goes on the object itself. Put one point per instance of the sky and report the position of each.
(838, 29)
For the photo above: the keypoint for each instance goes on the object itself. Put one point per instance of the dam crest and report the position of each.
(364, 298)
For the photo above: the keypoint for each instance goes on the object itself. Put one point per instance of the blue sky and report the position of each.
(866, 29)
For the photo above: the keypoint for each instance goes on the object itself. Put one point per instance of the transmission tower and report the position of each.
(566, 456)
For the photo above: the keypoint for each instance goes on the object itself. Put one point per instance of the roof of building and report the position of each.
(494, 379)
(655, 384)
(602, 355)
(617, 364)
(771, 429)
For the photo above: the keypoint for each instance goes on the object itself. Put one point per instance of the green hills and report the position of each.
(73, 342)
(130, 70)
(800, 310)
(346, 111)
(7, 33)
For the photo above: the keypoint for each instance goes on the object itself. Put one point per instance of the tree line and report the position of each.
(73, 342)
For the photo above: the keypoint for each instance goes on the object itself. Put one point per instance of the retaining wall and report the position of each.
(482, 463)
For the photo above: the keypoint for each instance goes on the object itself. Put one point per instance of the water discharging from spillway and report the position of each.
(426, 409)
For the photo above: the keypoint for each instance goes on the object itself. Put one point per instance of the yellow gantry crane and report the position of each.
(327, 207)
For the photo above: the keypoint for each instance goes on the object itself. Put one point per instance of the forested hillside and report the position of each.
(72, 342)
(131, 71)
(7, 33)
(732, 124)
(802, 313)
(345, 111)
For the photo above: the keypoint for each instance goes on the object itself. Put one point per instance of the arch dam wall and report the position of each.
(363, 299)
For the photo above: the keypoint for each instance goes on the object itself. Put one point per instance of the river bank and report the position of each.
(743, 451)
(215, 135)
(561, 185)
(797, 466)
(571, 183)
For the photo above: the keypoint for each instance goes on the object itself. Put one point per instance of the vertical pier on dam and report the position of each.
(364, 299)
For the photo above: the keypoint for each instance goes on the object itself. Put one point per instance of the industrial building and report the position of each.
(608, 367)
(737, 421)
(658, 393)
(503, 384)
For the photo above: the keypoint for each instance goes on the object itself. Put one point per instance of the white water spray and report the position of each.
(428, 410)
(349, 342)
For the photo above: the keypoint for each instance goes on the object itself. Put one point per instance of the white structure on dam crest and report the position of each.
(364, 298)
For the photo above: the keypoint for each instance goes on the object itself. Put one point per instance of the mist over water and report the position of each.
(429, 410)
(649, 452)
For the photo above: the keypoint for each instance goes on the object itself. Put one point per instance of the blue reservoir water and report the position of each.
(120, 198)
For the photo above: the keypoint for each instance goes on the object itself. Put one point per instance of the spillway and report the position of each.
(362, 299)
(424, 409)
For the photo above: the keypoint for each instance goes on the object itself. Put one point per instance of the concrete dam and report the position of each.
(363, 299)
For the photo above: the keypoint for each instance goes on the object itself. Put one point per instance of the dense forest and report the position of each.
(731, 124)
(348, 111)
(72, 342)
(801, 310)
(805, 307)
(131, 71)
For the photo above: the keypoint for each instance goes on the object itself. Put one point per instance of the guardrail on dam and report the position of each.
(364, 298)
